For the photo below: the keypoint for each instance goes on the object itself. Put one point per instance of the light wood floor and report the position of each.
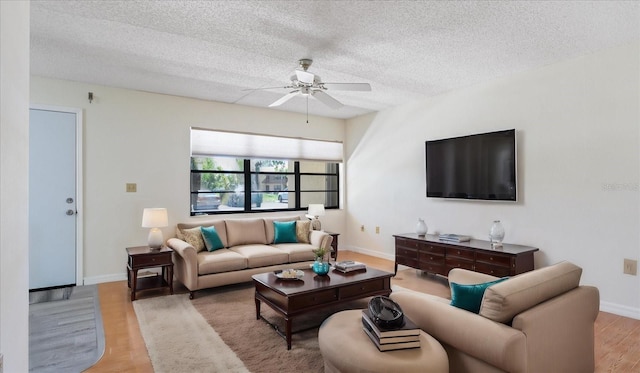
(617, 338)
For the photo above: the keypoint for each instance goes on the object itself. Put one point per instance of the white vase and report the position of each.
(421, 227)
(496, 233)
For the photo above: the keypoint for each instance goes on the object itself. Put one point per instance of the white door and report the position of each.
(52, 198)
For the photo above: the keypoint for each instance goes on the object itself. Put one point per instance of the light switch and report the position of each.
(131, 187)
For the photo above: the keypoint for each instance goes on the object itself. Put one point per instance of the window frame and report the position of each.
(248, 187)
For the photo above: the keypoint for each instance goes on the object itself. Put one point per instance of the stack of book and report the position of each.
(400, 338)
(349, 266)
(453, 238)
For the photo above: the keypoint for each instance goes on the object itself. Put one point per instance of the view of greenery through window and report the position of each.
(229, 184)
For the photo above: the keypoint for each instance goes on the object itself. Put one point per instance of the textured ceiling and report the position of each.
(406, 50)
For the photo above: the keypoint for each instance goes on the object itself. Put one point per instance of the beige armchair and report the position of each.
(539, 321)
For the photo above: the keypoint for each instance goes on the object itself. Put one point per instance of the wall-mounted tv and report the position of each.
(476, 167)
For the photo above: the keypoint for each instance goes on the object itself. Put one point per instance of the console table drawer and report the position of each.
(493, 270)
(149, 260)
(363, 288)
(413, 263)
(431, 258)
(494, 259)
(461, 253)
(453, 262)
(428, 248)
(406, 253)
(313, 299)
(407, 243)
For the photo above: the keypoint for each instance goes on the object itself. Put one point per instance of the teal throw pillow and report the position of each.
(285, 232)
(211, 238)
(469, 297)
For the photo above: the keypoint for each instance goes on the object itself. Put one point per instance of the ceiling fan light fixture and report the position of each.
(308, 84)
(305, 77)
(305, 63)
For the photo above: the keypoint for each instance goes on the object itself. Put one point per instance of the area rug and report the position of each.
(229, 314)
(65, 329)
(179, 339)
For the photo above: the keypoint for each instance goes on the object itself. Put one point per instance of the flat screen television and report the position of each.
(476, 167)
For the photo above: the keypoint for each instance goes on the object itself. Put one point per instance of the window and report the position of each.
(228, 183)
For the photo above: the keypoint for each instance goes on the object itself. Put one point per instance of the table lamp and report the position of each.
(315, 210)
(155, 218)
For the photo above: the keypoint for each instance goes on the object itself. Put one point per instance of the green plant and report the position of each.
(320, 252)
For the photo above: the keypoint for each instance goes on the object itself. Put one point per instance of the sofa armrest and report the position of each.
(495, 343)
(185, 263)
(560, 331)
(466, 277)
(321, 239)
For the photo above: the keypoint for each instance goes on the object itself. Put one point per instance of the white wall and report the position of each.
(578, 134)
(139, 137)
(577, 124)
(14, 177)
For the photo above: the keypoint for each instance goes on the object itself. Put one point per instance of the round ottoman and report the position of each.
(346, 348)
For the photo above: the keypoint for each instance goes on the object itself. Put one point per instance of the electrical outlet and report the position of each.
(132, 187)
(630, 267)
(377, 230)
(362, 228)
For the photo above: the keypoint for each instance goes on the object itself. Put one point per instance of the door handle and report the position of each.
(70, 212)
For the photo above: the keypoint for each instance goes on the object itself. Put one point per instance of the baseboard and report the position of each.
(376, 254)
(105, 278)
(620, 310)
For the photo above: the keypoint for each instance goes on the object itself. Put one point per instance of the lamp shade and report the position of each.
(155, 218)
(316, 209)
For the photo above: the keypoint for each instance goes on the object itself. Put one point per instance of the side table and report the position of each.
(143, 257)
(334, 244)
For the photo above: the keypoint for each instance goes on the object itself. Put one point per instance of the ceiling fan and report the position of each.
(308, 84)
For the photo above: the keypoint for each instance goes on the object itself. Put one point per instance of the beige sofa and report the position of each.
(539, 321)
(249, 249)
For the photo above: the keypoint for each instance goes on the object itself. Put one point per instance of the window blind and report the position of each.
(220, 143)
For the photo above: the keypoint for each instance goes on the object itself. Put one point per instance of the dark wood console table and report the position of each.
(429, 254)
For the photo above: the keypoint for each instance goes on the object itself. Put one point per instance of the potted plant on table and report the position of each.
(320, 266)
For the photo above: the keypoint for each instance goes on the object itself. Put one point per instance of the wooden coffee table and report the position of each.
(292, 298)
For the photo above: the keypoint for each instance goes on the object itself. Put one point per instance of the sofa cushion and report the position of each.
(219, 224)
(501, 302)
(179, 234)
(268, 225)
(245, 232)
(193, 236)
(303, 228)
(261, 255)
(211, 238)
(223, 260)
(284, 232)
(469, 297)
(298, 252)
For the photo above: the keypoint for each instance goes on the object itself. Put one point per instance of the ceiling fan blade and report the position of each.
(305, 76)
(260, 89)
(348, 86)
(327, 100)
(284, 98)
